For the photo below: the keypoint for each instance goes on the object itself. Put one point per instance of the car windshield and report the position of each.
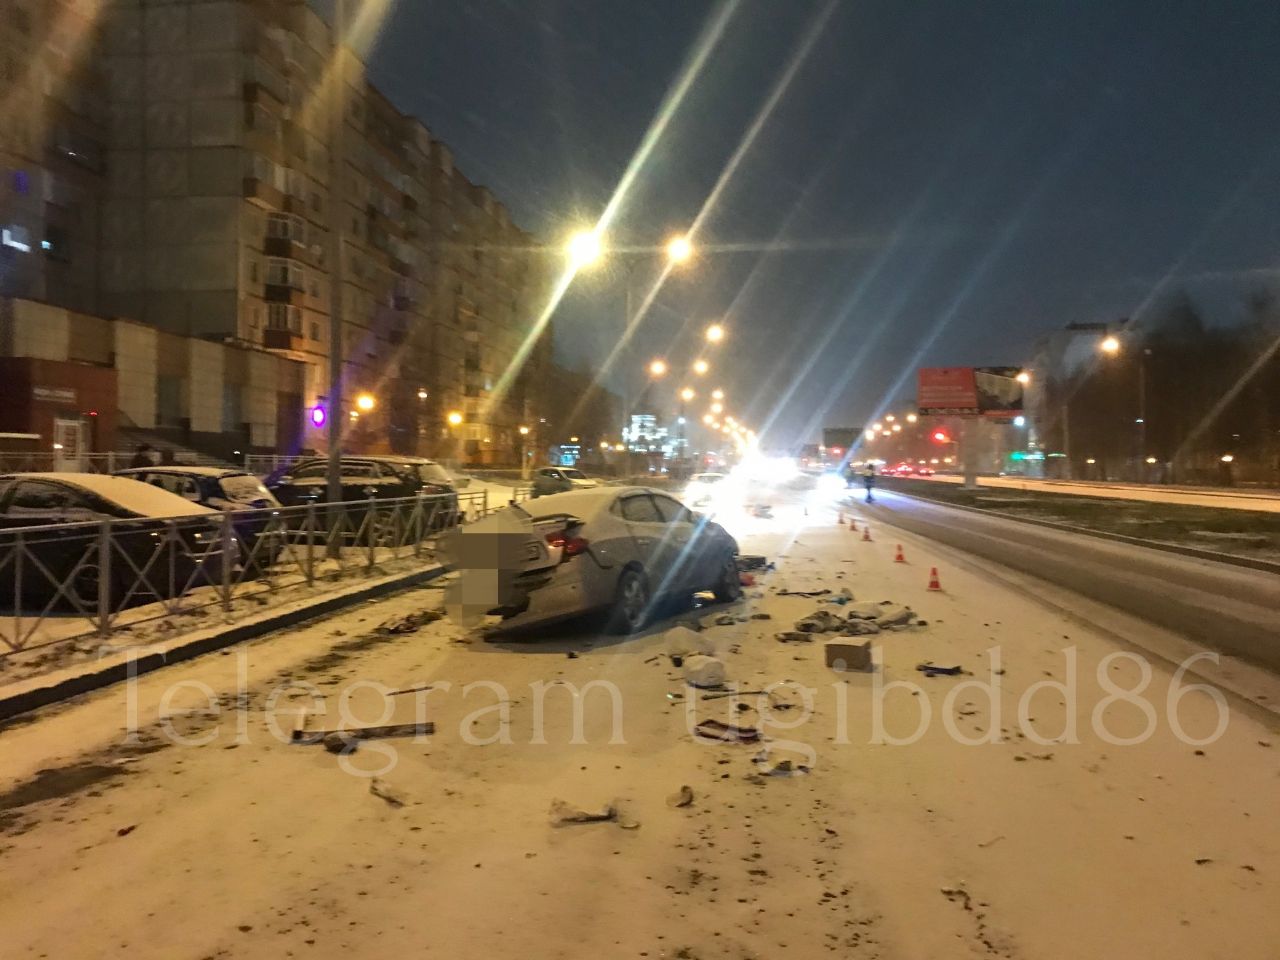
(243, 486)
(434, 473)
(575, 474)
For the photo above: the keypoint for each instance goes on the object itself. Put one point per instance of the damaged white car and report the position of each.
(615, 549)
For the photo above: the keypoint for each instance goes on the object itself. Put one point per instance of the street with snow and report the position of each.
(1069, 793)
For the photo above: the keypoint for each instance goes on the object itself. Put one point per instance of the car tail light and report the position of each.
(569, 546)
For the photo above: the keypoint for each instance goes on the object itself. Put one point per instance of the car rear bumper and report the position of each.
(566, 593)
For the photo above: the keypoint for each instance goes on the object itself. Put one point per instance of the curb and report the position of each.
(1267, 566)
(43, 691)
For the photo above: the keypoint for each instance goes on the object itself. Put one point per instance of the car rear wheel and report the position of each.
(631, 603)
(728, 585)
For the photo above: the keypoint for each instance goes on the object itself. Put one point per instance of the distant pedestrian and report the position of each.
(869, 480)
(142, 458)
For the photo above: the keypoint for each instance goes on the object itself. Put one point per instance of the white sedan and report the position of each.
(618, 549)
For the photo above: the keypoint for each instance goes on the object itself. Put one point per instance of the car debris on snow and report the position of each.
(752, 561)
(683, 642)
(366, 733)
(704, 671)
(682, 797)
(930, 669)
(379, 789)
(733, 693)
(409, 622)
(564, 814)
(849, 656)
(794, 636)
(726, 732)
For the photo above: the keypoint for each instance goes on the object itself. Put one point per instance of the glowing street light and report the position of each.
(1023, 378)
(717, 394)
(454, 418)
(707, 419)
(584, 249)
(365, 402)
(422, 393)
(658, 368)
(912, 418)
(524, 431)
(700, 367)
(687, 394)
(717, 408)
(1110, 345)
(715, 333)
(870, 434)
(897, 428)
(679, 249)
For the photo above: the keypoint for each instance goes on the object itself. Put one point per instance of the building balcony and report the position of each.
(282, 340)
(281, 293)
(262, 194)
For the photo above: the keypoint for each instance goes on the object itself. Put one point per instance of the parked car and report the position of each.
(549, 480)
(225, 490)
(50, 540)
(619, 549)
(381, 477)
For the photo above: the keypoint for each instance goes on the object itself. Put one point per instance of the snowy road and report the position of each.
(1267, 501)
(1226, 607)
(244, 846)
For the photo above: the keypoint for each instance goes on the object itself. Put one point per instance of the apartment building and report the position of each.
(227, 190)
(53, 132)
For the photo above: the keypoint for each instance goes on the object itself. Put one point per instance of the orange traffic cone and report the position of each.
(933, 579)
(866, 533)
(898, 557)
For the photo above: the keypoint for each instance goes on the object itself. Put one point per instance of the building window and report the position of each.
(315, 331)
(253, 271)
(282, 316)
(286, 273)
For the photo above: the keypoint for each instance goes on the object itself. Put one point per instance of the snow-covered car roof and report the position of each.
(182, 468)
(582, 499)
(134, 495)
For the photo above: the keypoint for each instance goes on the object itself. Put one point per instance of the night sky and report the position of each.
(939, 183)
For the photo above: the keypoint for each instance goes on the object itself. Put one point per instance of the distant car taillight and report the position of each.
(569, 546)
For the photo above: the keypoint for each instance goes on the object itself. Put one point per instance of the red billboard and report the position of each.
(970, 391)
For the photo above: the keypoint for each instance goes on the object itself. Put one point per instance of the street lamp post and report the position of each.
(584, 249)
(337, 123)
(524, 453)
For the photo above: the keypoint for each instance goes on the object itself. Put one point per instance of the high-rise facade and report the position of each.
(227, 186)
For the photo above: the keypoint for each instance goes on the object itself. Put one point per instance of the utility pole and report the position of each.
(337, 161)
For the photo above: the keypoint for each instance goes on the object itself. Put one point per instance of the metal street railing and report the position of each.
(60, 582)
